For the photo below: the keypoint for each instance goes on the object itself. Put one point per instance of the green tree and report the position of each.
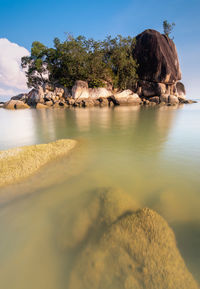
(167, 27)
(79, 58)
(35, 65)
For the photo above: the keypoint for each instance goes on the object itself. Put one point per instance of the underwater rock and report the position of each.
(123, 247)
(18, 163)
(105, 206)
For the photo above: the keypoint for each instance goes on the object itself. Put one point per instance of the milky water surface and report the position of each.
(153, 154)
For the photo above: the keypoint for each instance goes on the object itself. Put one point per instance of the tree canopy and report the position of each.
(85, 59)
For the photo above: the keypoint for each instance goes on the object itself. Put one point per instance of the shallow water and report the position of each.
(151, 153)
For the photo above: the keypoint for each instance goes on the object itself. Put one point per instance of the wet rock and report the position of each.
(123, 247)
(112, 101)
(19, 163)
(173, 100)
(41, 105)
(157, 57)
(103, 101)
(127, 97)
(49, 103)
(149, 88)
(103, 207)
(155, 99)
(70, 101)
(49, 96)
(15, 104)
(87, 102)
(164, 98)
(59, 104)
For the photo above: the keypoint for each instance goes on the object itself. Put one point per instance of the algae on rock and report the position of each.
(123, 247)
(18, 163)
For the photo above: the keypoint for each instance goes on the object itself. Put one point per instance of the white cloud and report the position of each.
(12, 77)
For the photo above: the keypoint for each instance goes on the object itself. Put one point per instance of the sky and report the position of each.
(25, 21)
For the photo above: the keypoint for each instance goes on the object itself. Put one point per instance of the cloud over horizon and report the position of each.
(12, 76)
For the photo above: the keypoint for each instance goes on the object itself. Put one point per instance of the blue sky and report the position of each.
(23, 22)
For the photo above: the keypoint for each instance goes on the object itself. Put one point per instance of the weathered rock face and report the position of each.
(180, 89)
(127, 97)
(157, 58)
(81, 90)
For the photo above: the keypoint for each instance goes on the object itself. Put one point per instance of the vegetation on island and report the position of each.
(79, 58)
(167, 27)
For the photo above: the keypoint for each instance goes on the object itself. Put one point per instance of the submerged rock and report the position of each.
(119, 246)
(18, 163)
(104, 207)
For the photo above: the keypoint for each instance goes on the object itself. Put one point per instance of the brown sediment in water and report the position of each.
(19, 163)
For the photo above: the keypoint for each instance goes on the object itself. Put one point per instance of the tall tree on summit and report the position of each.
(167, 27)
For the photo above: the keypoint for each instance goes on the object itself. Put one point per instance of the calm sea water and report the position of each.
(151, 153)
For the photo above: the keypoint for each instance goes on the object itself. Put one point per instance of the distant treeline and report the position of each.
(85, 59)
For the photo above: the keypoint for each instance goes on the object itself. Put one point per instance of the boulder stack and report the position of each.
(159, 70)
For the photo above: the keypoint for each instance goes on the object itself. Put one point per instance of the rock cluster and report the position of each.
(159, 82)
(159, 71)
(50, 96)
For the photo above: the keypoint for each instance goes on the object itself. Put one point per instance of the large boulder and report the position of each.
(149, 89)
(122, 247)
(99, 92)
(180, 89)
(80, 89)
(127, 97)
(15, 104)
(157, 58)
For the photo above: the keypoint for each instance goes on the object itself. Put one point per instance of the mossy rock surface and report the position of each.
(124, 247)
(18, 163)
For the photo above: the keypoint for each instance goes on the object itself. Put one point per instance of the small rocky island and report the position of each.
(158, 82)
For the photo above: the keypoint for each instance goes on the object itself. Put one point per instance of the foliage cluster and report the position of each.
(167, 27)
(79, 58)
